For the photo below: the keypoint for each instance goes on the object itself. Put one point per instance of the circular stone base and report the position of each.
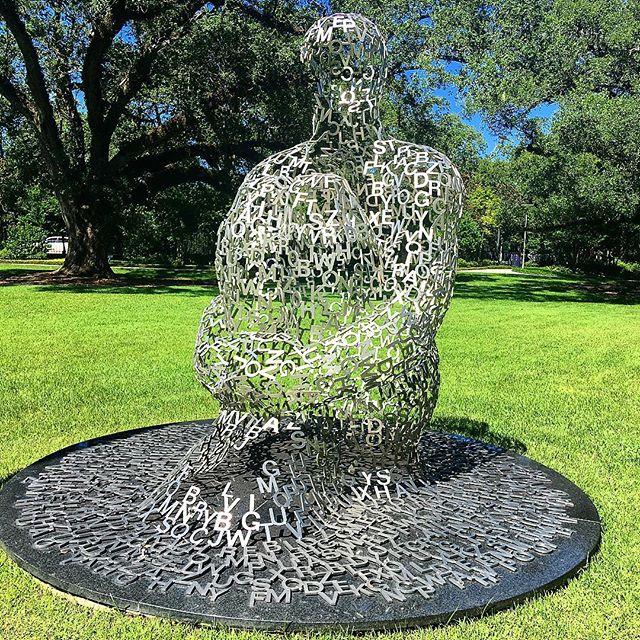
(125, 521)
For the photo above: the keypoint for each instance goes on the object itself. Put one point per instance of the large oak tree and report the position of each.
(126, 98)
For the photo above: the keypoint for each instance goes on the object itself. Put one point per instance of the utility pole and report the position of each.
(524, 239)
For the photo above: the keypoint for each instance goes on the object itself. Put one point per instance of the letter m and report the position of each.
(263, 487)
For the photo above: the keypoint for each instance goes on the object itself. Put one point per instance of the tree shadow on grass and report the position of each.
(127, 285)
(18, 273)
(138, 280)
(195, 289)
(545, 288)
(478, 431)
(521, 287)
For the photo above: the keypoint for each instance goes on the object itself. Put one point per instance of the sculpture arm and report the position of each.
(426, 283)
(293, 254)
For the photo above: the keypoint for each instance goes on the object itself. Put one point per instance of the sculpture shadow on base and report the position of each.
(477, 430)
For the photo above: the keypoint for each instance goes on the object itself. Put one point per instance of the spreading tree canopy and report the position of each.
(123, 99)
(579, 176)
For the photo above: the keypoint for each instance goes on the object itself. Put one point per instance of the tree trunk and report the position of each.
(88, 241)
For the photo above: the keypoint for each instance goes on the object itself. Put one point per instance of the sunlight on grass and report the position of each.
(548, 365)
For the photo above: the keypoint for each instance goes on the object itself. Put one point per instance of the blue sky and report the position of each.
(455, 103)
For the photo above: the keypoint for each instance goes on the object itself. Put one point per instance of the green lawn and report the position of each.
(548, 365)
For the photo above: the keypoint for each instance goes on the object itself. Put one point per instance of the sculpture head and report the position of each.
(347, 55)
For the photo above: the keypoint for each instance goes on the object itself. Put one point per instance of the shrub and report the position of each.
(37, 212)
(479, 263)
(25, 239)
(629, 269)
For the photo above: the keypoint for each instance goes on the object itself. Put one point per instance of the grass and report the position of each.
(549, 365)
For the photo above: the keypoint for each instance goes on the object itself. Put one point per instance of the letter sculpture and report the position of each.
(317, 498)
(336, 266)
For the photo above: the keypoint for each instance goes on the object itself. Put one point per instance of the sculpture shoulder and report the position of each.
(417, 158)
(286, 163)
(270, 177)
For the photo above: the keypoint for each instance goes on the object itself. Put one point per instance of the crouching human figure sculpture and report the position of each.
(336, 265)
(318, 498)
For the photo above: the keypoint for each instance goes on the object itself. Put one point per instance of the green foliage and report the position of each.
(481, 227)
(577, 179)
(179, 225)
(470, 238)
(629, 269)
(582, 207)
(20, 178)
(486, 207)
(229, 83)
(414, 114)
(462, 263)
(27, 229)
(24, 240)
(515, 56)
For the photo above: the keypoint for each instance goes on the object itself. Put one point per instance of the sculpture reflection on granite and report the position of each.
(335, 266)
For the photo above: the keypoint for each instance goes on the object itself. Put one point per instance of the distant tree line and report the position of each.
(575, 180)
(128, 124)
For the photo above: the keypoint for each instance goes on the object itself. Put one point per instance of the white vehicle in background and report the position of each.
(56, 245)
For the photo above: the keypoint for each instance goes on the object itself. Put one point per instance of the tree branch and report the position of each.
(140, 72)
(149, 140)
(399, 67)
(271, 21)
(103, 34)
(174, 175)
(158, 162)
(15, 98)
(44, 117)
(65, 92)
(135, 78)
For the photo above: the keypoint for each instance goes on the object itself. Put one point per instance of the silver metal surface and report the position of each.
(336, 267)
